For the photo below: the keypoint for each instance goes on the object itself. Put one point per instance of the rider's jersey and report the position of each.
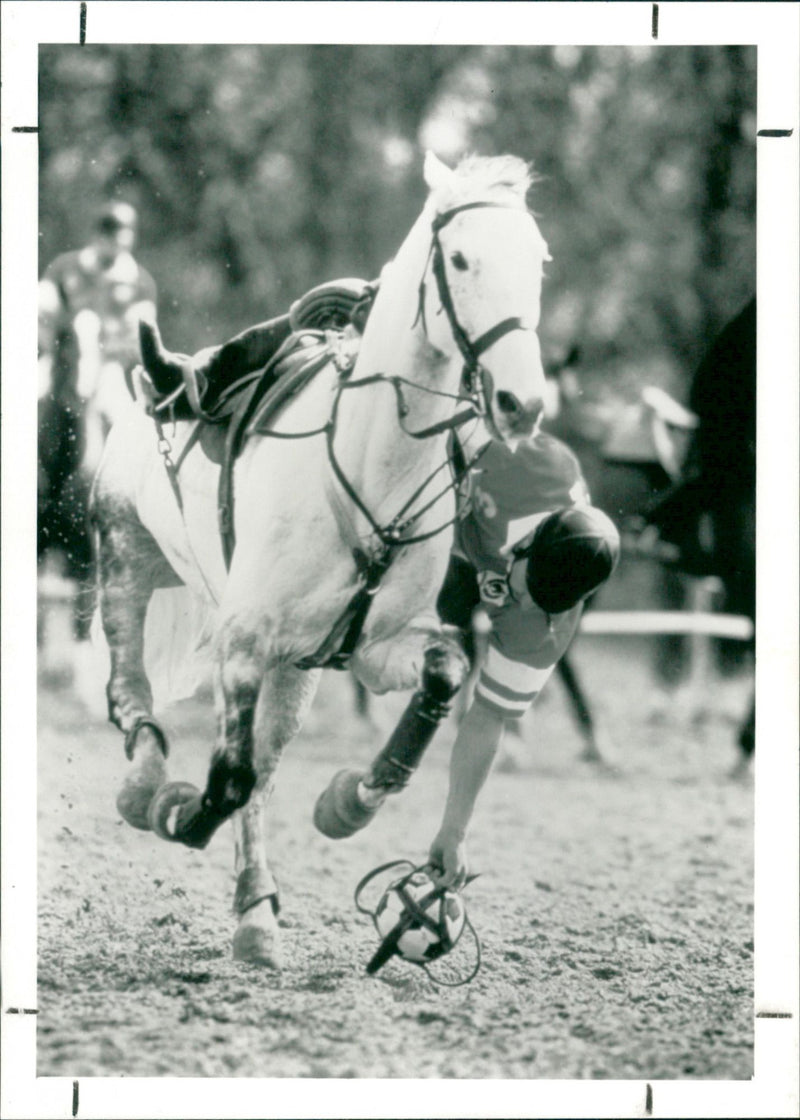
(510, 493)
(75, 283)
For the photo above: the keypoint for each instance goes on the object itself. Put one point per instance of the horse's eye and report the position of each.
(459, 261)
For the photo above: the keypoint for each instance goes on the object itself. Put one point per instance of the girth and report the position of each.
(338, 647)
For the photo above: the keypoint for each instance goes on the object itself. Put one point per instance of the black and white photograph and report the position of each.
(400, 537)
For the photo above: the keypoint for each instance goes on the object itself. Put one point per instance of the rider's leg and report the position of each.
(245, 353)
(215, 367)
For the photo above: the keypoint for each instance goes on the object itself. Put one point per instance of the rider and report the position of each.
(90, 304)
(529, 549)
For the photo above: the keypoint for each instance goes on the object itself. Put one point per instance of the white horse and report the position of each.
(318, 517)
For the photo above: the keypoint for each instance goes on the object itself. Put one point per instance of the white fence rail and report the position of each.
(705, 623)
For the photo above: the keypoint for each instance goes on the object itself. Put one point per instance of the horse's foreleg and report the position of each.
(353, 797)
(255, 903)
(286, 696)
(445, 667)
(130, 567)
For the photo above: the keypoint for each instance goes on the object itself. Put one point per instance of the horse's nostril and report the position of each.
(521, 419)
(508, 403)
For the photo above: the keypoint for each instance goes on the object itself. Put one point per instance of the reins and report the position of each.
(471, 351)
(391, 535)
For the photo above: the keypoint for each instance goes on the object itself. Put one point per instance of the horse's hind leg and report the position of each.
(130, 567)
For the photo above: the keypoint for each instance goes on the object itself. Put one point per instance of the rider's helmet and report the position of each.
(573, 551)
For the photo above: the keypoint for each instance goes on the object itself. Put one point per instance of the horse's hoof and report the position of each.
(339, 811)
(600, 753)
(152, 734)
(165, 807)
(257, 939)
(138, 791)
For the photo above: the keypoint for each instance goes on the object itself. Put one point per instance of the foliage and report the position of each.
(261, 170)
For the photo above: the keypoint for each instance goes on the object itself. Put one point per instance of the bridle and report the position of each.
(337, 648)
(476, 379)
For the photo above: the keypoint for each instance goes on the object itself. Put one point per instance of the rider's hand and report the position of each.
(447, 860)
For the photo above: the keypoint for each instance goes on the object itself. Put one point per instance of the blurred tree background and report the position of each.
(259, 171)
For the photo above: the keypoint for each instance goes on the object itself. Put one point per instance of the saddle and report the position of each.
(208, 386)
(229, 396)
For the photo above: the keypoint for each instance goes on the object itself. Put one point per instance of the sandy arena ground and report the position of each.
(614, 910)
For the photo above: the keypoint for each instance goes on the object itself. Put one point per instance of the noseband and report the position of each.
(476, 379)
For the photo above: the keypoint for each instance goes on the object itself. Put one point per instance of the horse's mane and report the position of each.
(495, 177)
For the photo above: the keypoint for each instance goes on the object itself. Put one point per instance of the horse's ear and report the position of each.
(436, 173)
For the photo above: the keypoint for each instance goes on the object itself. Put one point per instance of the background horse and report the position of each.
(711, 515)
(694, 480)
(63, 486)
(74, 416)
(356, 505)
(630, 454)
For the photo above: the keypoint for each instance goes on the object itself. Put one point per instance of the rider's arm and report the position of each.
(52, 314)
(505, 690)
(479, 736)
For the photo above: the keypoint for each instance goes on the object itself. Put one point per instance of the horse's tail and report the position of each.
(177, 644)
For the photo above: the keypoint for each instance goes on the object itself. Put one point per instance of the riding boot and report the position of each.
(328, 306)
(216, 367)
(247, 352)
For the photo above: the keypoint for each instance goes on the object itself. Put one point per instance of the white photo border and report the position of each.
(774, 28)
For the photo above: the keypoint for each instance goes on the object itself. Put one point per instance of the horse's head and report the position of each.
(482, 286)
